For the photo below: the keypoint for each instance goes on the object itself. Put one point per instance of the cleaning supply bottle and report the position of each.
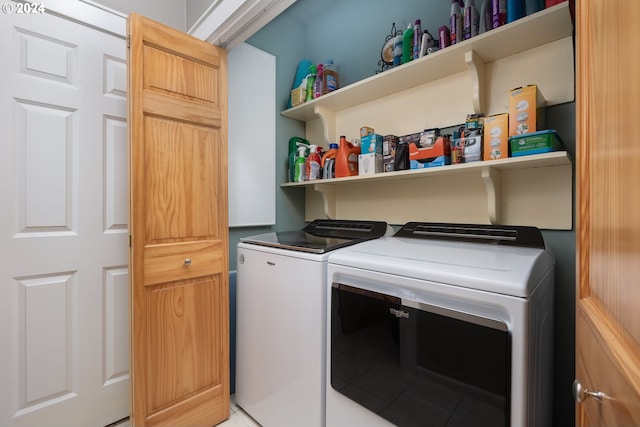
(407, 44)
(346, 158)
(312, 164)
(485, 21)
(533, 6)
(397, 50)
(455, 22)
(300, 162)
(417, 38)
(311, 78)
(471, 20)
(515, 10)
(330, 81)
(317, 84)
(327, 163)
(294, 143)
(498, 13)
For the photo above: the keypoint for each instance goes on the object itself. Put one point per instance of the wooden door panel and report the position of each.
(180, 165)
(177, 76)
(179, 233)
(184, 341)
(608, 295)
(603, 360)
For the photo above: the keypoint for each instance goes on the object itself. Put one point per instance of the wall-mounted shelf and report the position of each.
(439, 90)
(528, 190)
(539, 29)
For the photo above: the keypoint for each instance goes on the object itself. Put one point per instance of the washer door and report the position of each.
(415, 364)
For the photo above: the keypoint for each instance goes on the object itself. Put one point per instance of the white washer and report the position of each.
(441, 325)
(281, 318)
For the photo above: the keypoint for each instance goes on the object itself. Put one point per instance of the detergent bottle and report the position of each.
(312, 164)
(328, 161)
(346, 158)
(300, 165)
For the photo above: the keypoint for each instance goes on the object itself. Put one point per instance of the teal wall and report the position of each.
(351, 32)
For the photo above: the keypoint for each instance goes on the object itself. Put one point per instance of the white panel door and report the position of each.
(64, 337)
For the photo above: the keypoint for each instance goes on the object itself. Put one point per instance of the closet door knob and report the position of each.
(187, 262)
(581, 394)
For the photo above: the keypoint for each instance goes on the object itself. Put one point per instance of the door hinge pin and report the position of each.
(128, 42)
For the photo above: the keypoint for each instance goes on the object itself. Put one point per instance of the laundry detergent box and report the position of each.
(369, 164)
(542, 141)
(496, 137)
(526, 110)
(371, 143)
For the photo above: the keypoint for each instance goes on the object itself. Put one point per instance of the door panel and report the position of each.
(63, 231)
(179, 232)
(608, 295)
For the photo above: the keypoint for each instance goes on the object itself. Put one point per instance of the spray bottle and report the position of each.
(294, 143)
(311, 78)
(312, 164)
(300, 165)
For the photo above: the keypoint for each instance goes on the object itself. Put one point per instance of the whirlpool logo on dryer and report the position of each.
(398, 313)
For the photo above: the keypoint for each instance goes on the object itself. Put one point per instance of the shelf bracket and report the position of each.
(492, 181)
(328, 119)
(478, 87)
(328, 199)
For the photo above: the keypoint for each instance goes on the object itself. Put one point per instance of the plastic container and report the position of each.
(417, 38)
(485, 22)
(294, 144)
(330, 80)
(317, 84)
(515, 10)
(328, 161)
(299, 173)
(346, 158)
(311, 78)
(471, 20)
(312, 164)
(498, 13)
(542, 141)
(455, 22)
(397, 50)
(407, 44)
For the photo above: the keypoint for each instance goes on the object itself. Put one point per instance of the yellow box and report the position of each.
(496, 137)
(526, 110)
(298, 96)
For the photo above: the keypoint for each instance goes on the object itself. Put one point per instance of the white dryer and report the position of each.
(442, 325)
(281, 318)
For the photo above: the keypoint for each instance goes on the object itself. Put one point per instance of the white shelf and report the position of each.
(541, 28)
(556, 158)
(472, 76)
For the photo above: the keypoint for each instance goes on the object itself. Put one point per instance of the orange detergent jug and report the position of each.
(346, 158)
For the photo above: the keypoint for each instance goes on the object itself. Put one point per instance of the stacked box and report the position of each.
(389, 144)
(371, 143)
(526, 110)
(430, 155)
(496, 137)
(369, 164)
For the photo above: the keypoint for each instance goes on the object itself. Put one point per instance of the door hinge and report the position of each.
(128, 42)
(129, 240)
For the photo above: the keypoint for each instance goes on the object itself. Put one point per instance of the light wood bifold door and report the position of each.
(179, 228)
(608, 295)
